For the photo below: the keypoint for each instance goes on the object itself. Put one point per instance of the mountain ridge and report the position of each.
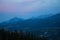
(33, 24)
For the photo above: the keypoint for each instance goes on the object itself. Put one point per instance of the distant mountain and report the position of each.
(11, 23)
(13, 20)
(32, 24)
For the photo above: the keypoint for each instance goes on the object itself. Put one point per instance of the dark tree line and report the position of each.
(15, 35)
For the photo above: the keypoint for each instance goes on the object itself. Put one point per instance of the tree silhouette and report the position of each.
(15, 35)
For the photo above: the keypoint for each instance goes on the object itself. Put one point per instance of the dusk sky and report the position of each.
(27, 8)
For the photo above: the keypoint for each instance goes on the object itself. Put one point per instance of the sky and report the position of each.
(27, 8)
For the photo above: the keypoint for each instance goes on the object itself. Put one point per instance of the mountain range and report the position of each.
(49, 22)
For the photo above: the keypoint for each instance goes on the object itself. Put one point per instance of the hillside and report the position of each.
(32, 24)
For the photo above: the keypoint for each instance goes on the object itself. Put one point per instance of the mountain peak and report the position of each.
(13, 20)
(16, 19)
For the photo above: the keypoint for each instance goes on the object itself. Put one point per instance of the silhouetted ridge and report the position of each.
(33, 24)
(16, 19)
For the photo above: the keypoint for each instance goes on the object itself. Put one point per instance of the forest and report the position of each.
(26, 35)
(15, 35)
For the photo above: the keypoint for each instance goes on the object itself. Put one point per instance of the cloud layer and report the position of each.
(26, 5)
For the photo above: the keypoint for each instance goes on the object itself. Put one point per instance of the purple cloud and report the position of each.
(26, 5)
